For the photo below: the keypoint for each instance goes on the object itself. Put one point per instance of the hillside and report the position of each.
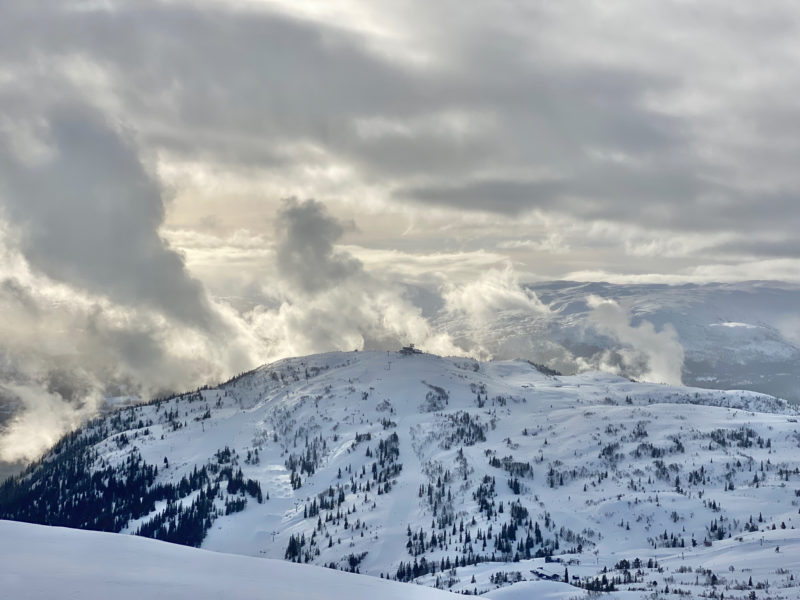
(452, 473)
(49, 562)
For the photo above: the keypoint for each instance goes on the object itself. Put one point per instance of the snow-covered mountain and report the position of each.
(733, 335)
(453, 473)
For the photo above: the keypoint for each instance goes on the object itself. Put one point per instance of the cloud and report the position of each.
(43, 419)
(498, 195)
(88, 214)
(494, 317)
(305, 254)
(94, 302)
(67, 350)
(778, 269)
(553, 243)
(619, 125)
(67, 345)
(433, 268)
(761, 248)
(328, 301)
(789, 326)
(643, 352)
(496, 291)
(581, 122)
(347, 318)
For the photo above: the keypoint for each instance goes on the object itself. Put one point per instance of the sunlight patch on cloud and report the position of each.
(496, 291)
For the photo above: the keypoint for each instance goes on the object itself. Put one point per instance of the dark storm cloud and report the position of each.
(88, 214)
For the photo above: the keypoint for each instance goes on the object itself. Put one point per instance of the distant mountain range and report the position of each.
(734, 336)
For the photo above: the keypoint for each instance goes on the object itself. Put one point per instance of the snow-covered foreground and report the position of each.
(38, 562)
(451, 473)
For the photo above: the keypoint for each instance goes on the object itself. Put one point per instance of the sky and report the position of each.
(191, 188)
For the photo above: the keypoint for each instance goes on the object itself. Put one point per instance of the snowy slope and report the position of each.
(457, 474)
(49, 562)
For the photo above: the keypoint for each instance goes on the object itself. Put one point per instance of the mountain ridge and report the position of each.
(429, 469)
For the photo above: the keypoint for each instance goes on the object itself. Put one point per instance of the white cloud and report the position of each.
(553, 243)
(783, 269)
(41, 421)
(496, 291)
(643, 352)
(328, 300)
